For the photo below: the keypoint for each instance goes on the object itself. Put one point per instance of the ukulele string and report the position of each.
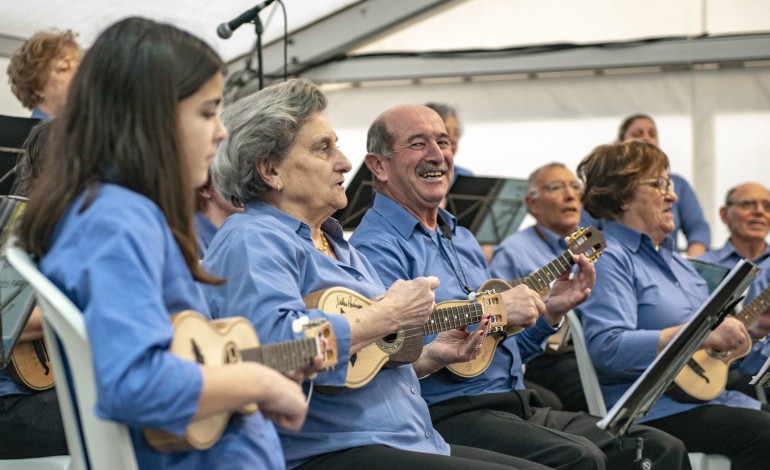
(310, 391)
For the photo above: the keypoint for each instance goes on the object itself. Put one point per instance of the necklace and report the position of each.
(324, 248)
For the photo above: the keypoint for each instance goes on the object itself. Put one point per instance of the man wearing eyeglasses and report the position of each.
(746, 213)
(553, 199)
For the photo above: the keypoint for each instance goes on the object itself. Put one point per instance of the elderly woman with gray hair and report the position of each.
(282, 163)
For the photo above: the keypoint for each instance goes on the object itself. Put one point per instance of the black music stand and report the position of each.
(13, 133)
(638, 399)
(712, 273)
(491, 208)
(360, 193)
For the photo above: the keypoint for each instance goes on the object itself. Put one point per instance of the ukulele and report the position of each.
(228, 341)
(404, 346)
(29, 364)
(584, 241)
(704, 376)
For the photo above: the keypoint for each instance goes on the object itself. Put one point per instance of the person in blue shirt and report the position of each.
(211, 213)
(40, 71)
(405, 235)
(282, 162)
(645, 292)
(746, 213)
(688, 215)
(116, 236)
(553, 199)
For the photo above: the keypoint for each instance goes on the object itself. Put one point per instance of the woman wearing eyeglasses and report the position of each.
(688, 215)
(645, 292)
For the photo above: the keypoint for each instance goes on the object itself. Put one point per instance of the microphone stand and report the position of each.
(259, 29)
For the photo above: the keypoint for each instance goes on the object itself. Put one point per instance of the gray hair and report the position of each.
(262, 126)
(533, 176)
(379, 140)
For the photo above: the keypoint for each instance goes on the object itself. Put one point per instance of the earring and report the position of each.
(278, 186)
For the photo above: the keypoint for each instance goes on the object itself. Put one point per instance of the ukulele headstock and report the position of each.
(492, 304)
(588, 241)
(326, 343)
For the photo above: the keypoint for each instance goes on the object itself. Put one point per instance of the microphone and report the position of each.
(225, 30)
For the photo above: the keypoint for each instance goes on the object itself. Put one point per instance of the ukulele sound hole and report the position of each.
(391, 343)
(231, 354)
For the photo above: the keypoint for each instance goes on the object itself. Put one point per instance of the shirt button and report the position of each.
(359, 278)
(413, 390)
(427, 434)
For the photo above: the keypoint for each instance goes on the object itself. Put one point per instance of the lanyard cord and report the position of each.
(444, 253)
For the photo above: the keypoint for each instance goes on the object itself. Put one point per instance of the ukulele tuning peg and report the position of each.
(299, 324)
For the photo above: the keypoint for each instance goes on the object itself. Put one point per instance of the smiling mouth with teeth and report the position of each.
(432, 174)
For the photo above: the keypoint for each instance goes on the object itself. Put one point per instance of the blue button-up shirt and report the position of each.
(524, 252)
(638, 292)
(401, 248)
(120, 265)
(205, 231)
(728, 257)
(271, 264)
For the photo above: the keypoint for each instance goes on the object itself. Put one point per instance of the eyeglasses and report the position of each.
(663, 184)
(750, 204)
(557, 186)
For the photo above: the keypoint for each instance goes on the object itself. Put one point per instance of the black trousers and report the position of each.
(741, 434)
(388, 458)
(31, 426)
(559, 374)
(513, 423)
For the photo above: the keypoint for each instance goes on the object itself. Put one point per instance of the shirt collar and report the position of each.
(404, 221)
(38, 113)
(330, 226)
(633, 239)
(555, 241)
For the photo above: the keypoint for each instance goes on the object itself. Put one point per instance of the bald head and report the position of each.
(747, 213)
(410, 156)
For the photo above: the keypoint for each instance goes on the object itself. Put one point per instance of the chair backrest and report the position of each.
(93, 442)
(591, 388)
(595, 399)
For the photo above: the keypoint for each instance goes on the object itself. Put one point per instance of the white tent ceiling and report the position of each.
(701, 67)
(20, 19)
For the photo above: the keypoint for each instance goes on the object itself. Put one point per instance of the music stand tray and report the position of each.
(13, 133)
(638, 399)
(491, 208)
(360, 193)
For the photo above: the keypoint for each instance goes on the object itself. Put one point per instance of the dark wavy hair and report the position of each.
(120, 126)
(610, 174)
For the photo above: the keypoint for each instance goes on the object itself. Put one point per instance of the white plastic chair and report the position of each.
(595, 399)
(56, 462)
(92, 442)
